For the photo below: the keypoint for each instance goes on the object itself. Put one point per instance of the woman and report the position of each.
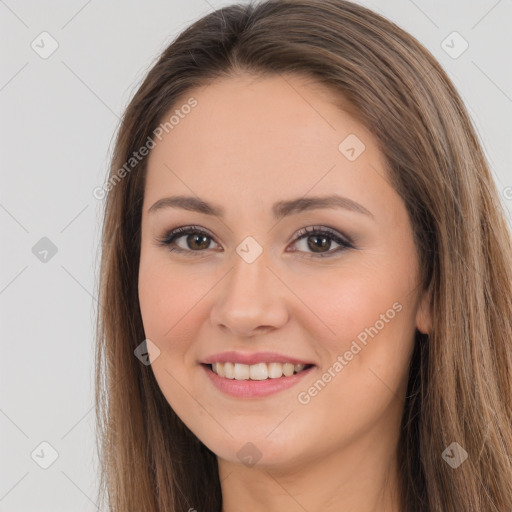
(305, 251)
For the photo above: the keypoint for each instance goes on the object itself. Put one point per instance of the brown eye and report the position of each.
(194, 240)
(318, 241)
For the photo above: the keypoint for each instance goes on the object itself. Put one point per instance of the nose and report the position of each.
(251, 299)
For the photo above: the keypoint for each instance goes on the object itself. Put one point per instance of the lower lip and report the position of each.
(254, 388)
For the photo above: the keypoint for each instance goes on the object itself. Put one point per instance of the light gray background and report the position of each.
(58, 116)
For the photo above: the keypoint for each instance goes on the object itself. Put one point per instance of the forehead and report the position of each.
(234, 115)
(258, 137)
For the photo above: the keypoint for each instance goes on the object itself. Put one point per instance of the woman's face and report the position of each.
(250, 285)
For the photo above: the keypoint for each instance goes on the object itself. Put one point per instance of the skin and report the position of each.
(249, 143)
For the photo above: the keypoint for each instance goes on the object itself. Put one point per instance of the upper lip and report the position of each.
(253, 358)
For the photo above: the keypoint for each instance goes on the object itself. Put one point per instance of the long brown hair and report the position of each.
(460, 386)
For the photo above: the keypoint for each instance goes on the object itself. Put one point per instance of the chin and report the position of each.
(254, 447)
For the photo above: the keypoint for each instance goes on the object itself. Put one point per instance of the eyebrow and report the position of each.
(279, 210)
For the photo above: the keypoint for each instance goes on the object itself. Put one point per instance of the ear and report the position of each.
(424, 312)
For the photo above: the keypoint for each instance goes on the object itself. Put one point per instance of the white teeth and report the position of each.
(219, 369)
(259, 371)
(275, 370)
(229, 370)
(241, 371)
(288, 369)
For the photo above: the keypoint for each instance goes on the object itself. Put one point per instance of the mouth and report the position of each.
(258, 372)
(244, 381)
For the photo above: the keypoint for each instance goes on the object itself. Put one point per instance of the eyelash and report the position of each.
(174, 234)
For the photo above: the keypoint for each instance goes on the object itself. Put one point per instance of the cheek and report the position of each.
(170, 304)
(155, 299)
(365, 364)
(173, 300)
(165, 295)
(364, 332)
(344, 303)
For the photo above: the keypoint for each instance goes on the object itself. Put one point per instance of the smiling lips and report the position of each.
(246, 375)
(255, 366)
